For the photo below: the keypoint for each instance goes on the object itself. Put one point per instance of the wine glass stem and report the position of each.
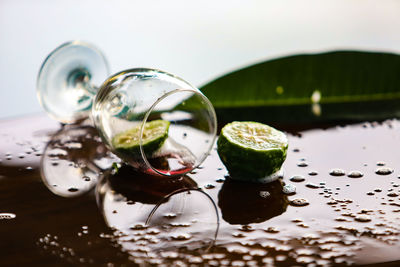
(80, 78)
(81, 89)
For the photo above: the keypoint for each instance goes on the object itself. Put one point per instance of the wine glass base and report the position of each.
(68, 80)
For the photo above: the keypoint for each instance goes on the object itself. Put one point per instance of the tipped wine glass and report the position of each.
(153, 120)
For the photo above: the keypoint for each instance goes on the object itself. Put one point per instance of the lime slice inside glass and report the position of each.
(154, 135)
(251, 150)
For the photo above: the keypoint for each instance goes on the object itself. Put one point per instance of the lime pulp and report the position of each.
(154, 135)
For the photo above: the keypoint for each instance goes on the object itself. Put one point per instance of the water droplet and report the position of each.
(384, 171)
(170, 215)
(304, 251)
(280, 258)
(332, 202)
(238, 235)
(392, 194)
(181, 236)
(312, 185)
(289, 189)
(299, 202)
(209, 186)
(130, 202)
(271, 230)
(264, 194)
(256, 253)
(153, 231)
(302, 164)
(213, 263)
(313, 173)
(370, 193)
(86, 178)
(239, 250)
(297, 178)
(362, 218)
(181, 224)
(73, 189)
(378, 190)
(355, 174)
(380, 163)
(54, 163)
(296, 150)
(238, 263)
(316, 96)
(139, 226)
(337, 172)
(194, 260)
(220, 180)
(247, 228)
(7, 216)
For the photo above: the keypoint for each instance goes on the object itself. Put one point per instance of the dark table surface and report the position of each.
(348, 220)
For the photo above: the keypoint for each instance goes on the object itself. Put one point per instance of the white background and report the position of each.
(197, 40)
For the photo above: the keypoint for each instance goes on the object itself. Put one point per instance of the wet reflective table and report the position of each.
(63, 202)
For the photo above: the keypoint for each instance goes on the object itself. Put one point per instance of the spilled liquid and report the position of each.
(341, 207)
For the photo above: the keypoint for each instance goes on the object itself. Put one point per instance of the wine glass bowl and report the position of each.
(135, 97)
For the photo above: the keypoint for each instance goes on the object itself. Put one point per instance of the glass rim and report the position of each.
(210, 108)
(185, 190)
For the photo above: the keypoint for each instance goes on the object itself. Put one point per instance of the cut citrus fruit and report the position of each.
(154, 135)
(251, 150)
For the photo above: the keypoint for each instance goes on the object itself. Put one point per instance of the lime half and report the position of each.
(251, 150)
(154, 135)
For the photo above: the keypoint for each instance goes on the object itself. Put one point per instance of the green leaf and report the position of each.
(342, 85)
